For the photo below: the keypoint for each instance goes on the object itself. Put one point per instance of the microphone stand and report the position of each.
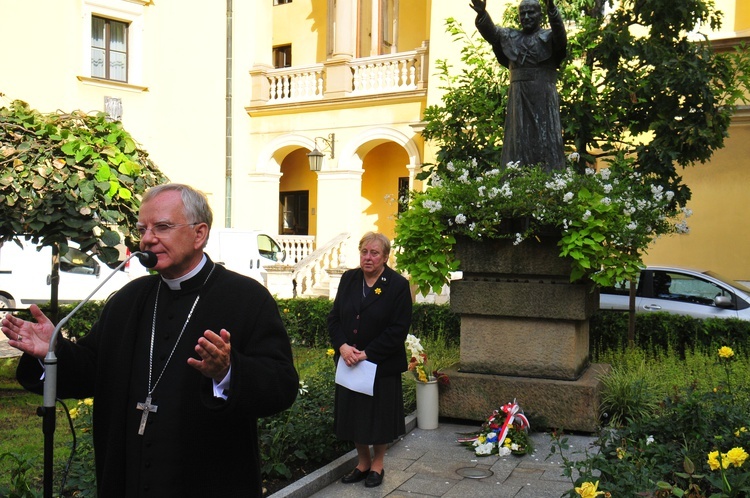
(47, 411)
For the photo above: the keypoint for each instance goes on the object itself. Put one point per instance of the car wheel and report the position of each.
(6, 302)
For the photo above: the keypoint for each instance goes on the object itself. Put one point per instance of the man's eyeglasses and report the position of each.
(161, 229)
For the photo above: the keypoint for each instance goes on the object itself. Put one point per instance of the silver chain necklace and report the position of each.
(147, 406)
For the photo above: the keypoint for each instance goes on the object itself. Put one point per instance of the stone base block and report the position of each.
(549, 404)
(529, 347)
(559, 300)
(530, 257)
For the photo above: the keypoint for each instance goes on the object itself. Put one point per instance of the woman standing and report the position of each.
(370, 319)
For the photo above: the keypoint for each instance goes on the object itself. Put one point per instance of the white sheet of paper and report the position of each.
(359, 378)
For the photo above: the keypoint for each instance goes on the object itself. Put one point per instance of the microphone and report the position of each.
(147, 259)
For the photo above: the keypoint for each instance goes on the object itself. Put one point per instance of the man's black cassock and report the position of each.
(195, 444)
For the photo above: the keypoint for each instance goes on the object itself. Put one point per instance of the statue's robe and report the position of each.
(533, 134)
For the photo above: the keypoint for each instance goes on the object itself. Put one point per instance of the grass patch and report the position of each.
(21, 428)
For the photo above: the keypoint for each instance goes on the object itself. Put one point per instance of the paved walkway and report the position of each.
(5, 350)
(430, 463)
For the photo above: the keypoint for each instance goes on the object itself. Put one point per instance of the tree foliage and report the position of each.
(70, 176)
(471, 120)
(641, 91)
(639, 82)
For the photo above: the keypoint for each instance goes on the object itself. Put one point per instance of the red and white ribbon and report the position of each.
(513, 411)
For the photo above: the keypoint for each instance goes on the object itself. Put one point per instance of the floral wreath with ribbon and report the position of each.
(505, 432)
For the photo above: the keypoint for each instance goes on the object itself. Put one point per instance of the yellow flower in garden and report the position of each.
(726, 352)
(88, 401)
(737, 456)
(713, 460)
(589, 490)
(740, 431)
(620, 453)
(330, 352)
(73, 412)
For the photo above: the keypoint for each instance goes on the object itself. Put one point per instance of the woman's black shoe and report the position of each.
(355, 475)
(374, 479)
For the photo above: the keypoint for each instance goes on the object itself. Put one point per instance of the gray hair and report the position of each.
(376, 237)
(194, 201)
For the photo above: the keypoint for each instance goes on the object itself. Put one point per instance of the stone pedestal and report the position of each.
(548, 403)
(335, 279)
(279, 281)
(524, 335)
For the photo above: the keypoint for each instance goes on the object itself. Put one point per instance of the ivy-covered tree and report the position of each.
(70, 176)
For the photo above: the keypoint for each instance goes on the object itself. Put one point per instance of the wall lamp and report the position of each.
(316, 157)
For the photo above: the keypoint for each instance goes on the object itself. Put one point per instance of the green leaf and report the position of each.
(103, 173)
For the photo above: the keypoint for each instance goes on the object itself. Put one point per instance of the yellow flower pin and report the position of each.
(378, 290)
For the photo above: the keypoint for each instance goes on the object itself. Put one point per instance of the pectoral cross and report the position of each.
(147, 408)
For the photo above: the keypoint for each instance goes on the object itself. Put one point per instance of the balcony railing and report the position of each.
(387, 74)
(297, 247)
(295, 84)
(402, 72)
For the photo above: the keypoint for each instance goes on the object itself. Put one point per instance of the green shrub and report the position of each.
(79, 324)
(662, 332)
(20, 486)
(303, 433)
(668, 451)
(432, 321)
(81, 476)
(628, 395)
(306, 320)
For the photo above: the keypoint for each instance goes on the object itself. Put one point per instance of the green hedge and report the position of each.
(306, 323)
(665, 332)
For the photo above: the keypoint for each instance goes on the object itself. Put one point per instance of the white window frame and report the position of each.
(128, 11)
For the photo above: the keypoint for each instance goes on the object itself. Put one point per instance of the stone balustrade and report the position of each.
(383, 74)
(297, 247)
(307, 272)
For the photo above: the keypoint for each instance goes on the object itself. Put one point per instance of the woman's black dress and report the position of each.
(375, 320)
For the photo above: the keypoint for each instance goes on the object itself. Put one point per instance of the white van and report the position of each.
(244, 251)
(25, 275)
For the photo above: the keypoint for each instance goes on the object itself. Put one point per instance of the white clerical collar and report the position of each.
(174, 283)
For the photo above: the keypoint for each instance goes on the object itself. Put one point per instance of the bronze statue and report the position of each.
(533, 134)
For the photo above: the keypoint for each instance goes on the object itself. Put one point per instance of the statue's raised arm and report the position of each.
(479, 6)
(533, 134)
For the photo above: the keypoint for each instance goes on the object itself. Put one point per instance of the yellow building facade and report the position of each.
(232, 96)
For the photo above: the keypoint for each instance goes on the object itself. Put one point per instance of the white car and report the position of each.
(244, 251)
(682, 291)
(25, 275)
